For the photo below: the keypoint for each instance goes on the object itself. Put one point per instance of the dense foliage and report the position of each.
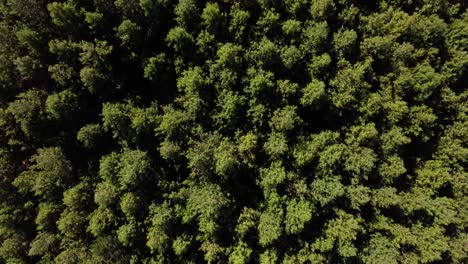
(267, 131)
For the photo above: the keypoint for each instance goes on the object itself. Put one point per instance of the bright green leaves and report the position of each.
(46, 215)
(331, 159)
(322, 9)
(229, 56)
(129, 168)
(94, 57)
(427, 31)
(262, 131)
(64, 49)
(349, 82)
(173, 123)
(288, 90)
(393, 139)
(26, 66)
(185, 11)
(315, 35)
(200, 155)
(154, 67)
(269, 226)
(227, 160)
(181, 245)
(29, 39)
(101, 221)
(78, 196)
(150, 7)
(230, 112)
(247, 146)
(422, 121)
(90, 135)
(424, 235)
(192, 84)
(419, 82)
(178, 38)
(130, 204)
(246, 224)
(105, 194)
(298, 213)
(60, 106)
(65, 73)
(364, 135)
(62, 73)
(345, 42)
(169, 150)
(313, 93)
(358, 195)
(285, 119)
(392, 22)
(205, 42)
(128, 32)
(434, 174)
(116, 118)
(257, 113)
(43, 244)
(13, 247)
(123, 174)
(270, 256)
(391, 169)
(431, 243)
(360, 162)
(135, 167)
(276, 145)
(205, 203)
(457, 35)
(241, 254)
(451, 148)
(380, 250)
(28, 111)
(95, 54)
(91, 78)
(268, 22)
(379, 47)
(212, 17)
(160, 219)
(272, 176)
(385, 197)
(307, 151)
(127, 234)
(318, 67)
(327, 190)
(64, 15)
(291, 27)
(261, 82)
(94, 19)
(72, 223)
(238, 22)
(264, 52)
(342, 232)
(49, 173)
(129, 123)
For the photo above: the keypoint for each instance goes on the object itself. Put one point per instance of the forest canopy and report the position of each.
(233, 131)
